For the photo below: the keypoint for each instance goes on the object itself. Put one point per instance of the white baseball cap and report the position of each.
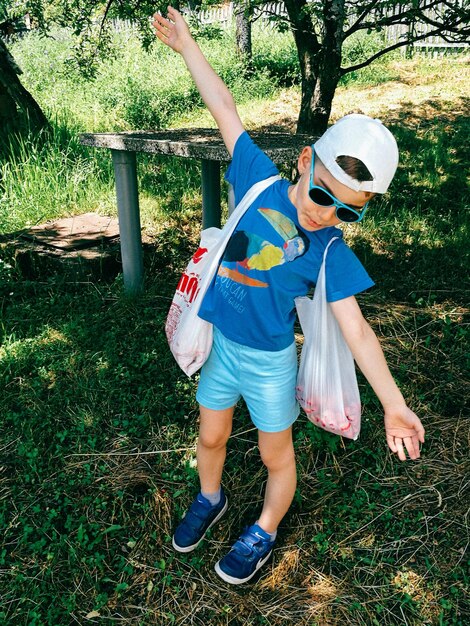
(366, 139)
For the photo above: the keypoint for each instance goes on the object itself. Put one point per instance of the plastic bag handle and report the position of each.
(227, 231)
(247, 200)
(322, 273)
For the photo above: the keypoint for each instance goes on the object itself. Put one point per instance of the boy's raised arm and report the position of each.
(174, 32)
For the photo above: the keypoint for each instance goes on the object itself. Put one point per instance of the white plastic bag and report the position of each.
(326, 382)
(189, 336)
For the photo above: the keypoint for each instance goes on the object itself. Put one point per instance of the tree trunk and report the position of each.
(317, 95)
(8, 112)
(243, 34)
(320, 63)
(14, 94)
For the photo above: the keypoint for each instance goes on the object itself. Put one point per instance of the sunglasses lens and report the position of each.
(320, 197)
(323, 198)
(346, 215)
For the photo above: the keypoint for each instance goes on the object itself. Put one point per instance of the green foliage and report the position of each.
(276, 54)
(48, 175)
(358, 48)
(134, 88)
(208, 32)
(93, 40)
(98, 430)
(98, 426)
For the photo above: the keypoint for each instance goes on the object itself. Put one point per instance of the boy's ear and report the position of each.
(304, 160)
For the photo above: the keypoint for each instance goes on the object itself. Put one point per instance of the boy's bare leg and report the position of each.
(214, 430)
(277, 453)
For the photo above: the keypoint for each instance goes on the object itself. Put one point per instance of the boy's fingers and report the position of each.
(160, 20)
(400, 451)
(421, 432)
(417, 447)
(160, 32)
(398, 445)
(412, 447)
(391, 443)
(161, 36)
(172, 11)
(162, 27)
(419, 429)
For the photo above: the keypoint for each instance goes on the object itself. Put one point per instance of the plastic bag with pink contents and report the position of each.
(326, 383)
(189, 336)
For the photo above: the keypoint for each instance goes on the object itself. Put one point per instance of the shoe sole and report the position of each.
(238, 581)
(195, 545)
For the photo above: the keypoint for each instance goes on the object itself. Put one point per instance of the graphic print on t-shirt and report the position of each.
(249, 251)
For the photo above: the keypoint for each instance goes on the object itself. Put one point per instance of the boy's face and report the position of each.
(313, 216)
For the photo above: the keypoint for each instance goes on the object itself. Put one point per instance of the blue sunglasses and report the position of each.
(322, 197)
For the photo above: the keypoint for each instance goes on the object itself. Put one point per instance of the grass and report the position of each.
(51, 176)
(98, 427)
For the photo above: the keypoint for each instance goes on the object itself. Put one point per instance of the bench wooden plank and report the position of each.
(196, 143)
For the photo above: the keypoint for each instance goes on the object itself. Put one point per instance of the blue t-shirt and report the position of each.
(270, 260)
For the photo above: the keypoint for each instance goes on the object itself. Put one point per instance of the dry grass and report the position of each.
(443, 83)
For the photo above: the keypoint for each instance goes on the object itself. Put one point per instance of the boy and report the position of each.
(273, 256)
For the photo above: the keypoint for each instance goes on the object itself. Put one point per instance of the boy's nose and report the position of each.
(328, 213)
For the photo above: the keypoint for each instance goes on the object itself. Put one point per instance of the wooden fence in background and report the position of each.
(224, 16)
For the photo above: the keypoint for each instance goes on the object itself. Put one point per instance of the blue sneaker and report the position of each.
(247, 555)
(200, 516)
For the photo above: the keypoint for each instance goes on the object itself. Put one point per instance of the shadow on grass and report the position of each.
(89, 389)
(417, 242)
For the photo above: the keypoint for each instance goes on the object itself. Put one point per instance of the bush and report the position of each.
(134, 88)
(51, 175)
(275, 53)
(358, 48)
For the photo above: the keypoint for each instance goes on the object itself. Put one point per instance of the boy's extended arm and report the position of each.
(174, 32)
(403, 428)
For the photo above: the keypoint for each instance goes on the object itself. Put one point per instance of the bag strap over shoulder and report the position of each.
(247, 201)
(326, 249)
(215, 254)
(321, 279)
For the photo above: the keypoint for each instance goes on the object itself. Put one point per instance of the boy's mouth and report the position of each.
(313, 224)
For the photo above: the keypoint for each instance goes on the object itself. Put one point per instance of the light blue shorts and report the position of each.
(265, 380)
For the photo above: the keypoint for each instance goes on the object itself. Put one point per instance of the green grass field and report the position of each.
(98, 426)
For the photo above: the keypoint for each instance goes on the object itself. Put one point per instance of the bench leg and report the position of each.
(211, 214)
(127, 195)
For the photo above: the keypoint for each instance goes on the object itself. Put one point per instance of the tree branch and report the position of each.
(105, 15)
(365, 12)
(408, 13)
(399, 44)
(301, 24)
(280, 18)
(454, 27)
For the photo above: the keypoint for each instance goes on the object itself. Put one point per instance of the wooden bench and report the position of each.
(203, 144)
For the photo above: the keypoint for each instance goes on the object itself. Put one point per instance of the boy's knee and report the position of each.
(275, 460)
(213, 440)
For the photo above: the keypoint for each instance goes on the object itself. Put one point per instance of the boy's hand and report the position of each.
(174, 31)
(403, 429)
